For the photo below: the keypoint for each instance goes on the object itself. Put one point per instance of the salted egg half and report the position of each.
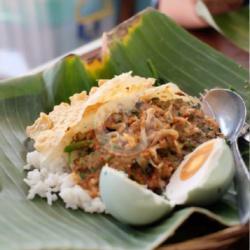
(128, 201)
(202, 177)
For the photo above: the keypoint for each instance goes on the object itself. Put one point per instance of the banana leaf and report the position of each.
(149, 44)
(234, 25)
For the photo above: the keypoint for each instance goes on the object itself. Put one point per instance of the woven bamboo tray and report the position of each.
(236, 237)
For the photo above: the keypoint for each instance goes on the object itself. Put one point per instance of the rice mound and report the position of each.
(52, 185)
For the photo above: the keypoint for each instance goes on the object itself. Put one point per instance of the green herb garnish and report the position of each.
(78, 145)
(93, 170)
(232, 88)
(69, 158)
(135, 112)
(159, 81)
(108, 158)
(82, 175)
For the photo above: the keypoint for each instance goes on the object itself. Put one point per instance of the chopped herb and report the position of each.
(191, 117)
(135, 112)
(93, 170)
(82, 175)
(77, 145)
(232, 88)
(115, 147)
(189, 145)
(69, 158)
(159, 81)
(108, 158)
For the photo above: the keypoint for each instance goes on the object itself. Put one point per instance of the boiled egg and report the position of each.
(201, 179)
(203, 176)
(128, 201)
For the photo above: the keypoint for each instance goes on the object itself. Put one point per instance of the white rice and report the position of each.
(54, 183)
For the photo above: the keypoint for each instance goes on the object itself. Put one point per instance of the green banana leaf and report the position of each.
(149, 44)
(234, 25)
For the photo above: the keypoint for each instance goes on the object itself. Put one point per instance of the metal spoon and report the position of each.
(229, 110)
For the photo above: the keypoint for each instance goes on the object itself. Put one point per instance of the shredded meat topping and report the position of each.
(148, 143)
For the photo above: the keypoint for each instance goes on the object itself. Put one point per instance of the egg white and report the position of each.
(128, 201)
(209, 182)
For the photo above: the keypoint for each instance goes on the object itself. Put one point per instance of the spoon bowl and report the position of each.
(229, 110)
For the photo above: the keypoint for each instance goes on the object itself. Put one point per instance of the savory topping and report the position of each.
(147, 142)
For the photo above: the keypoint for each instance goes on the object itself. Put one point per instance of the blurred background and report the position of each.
(33, 32)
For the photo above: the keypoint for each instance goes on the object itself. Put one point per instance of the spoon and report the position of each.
(229, 110)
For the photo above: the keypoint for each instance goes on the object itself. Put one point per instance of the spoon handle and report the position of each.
(242, 184)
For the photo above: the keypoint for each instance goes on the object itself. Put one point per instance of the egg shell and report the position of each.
(128, 201)
(209, 183)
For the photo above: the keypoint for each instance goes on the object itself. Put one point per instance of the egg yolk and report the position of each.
(196, 161)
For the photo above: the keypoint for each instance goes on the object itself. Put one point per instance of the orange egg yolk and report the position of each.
(196, 161)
